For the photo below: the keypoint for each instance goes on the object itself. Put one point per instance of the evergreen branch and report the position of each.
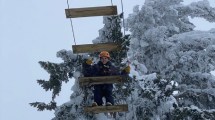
(194, 113)
(42, 106)
(44, 84)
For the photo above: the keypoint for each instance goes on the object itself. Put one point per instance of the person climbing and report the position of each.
(104, 67)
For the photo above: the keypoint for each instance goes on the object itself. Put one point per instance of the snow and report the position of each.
(172, 49)
(102, 116)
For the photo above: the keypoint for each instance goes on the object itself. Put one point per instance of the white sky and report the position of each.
(34, 30)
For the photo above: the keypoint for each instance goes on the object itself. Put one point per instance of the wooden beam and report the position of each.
(103, 109)
(89, 48)
(99, 80)
(91, 11)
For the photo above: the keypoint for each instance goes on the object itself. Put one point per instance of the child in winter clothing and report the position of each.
(103, 68)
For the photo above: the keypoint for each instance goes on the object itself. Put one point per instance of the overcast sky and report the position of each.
(34, 30)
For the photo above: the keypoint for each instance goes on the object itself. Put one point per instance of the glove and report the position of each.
(89, 61)
(127, 69)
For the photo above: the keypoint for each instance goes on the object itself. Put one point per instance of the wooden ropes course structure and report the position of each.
(87, 48)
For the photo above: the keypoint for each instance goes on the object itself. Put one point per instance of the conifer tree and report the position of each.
(168, 46)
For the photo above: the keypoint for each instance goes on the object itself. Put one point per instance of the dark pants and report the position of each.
(104, 90)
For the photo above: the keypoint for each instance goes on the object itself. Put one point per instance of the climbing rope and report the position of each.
(123, 23)
(132, 105)
(111, 2)
(71, 24)
(123, 19)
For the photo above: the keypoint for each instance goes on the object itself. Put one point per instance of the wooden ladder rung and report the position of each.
(91, 11)
(103, 109)
(89, 48)
(84, 81)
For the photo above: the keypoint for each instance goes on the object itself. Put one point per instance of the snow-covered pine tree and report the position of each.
(177, 58)
(111, 33)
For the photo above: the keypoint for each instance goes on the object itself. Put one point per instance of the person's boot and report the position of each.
(108, 104)
(94, 104)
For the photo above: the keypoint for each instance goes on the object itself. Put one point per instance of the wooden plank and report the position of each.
(99, 80)
(91, 11)
(89, 48)
(103, 109)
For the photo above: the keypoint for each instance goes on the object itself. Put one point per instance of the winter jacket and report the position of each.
(100, 69)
